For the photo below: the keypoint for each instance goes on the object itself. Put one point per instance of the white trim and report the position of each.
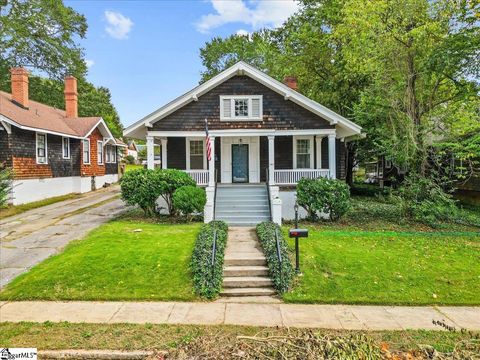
(242, 132)
(245, 69)
(63, 148)
(101, 122)
(6, 126)
(11, 122)
(187, 152)
(46, 147)
(103, 154)
(310, 139)
(89, 152)
(232, 99)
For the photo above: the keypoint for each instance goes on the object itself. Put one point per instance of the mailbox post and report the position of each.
(297, 233)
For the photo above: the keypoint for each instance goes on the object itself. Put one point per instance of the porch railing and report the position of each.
(293, 176)
(200, 176)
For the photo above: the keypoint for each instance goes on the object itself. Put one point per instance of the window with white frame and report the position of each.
(111, 154)
(241, 107)
(66, 147)
(196, 155)
(86, 151)
(303, 153)
(41, 148)
(100, 152)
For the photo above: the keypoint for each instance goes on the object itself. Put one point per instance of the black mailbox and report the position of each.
(298, 233)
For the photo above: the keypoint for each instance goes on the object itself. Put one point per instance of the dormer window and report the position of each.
(241, 107)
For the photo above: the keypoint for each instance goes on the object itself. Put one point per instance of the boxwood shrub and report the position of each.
(207, 280)
(280, 273)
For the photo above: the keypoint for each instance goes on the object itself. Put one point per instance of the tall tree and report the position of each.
(42, 34)
(422, 56)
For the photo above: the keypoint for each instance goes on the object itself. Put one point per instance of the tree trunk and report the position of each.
(350, 162)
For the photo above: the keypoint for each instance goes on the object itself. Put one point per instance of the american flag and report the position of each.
(207, 142)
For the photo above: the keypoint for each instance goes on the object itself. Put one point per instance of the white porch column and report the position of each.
(271, 160)
(211, 163)
(332, 163)
(318, 147)
(150, 154)
(164, 153)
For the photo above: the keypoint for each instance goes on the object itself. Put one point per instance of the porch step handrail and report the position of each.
(293, 176)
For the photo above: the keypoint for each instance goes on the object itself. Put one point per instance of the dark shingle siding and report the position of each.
(5, 150)
(176, 153)
(278, 113)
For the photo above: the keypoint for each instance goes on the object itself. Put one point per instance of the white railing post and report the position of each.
(332, 163)
(211, 163)
(150, 152)
(164, 153)
(271, 160)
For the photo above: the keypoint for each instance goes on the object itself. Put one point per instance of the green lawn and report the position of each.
(130, 167)
(387, 267)
(115, 262)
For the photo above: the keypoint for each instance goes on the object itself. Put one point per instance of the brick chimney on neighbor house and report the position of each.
(19, 78)
(71, 97)
(291, 82)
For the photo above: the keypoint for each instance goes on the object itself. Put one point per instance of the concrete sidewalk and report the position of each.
(348, 317)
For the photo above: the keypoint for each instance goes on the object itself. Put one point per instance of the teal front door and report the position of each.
(240, 163)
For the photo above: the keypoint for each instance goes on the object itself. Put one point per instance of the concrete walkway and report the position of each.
(287, 315)
(29, 238)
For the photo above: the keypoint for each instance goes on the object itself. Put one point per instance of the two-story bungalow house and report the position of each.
(53, 152)
(265, 136)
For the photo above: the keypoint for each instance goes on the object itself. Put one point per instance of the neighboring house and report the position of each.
(263, 132)
(132, 150)
(53, 152)
(384, 172)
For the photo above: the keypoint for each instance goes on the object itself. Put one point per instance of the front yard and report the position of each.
(377, 267)
(367, 258)
(121, 260)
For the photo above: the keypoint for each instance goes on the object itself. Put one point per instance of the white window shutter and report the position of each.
(227, 108)
(256, 108)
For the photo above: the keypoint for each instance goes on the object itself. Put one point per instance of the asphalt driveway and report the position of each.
(31, 237)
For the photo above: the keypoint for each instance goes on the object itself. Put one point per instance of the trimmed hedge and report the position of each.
(282, 275)
(207, 280)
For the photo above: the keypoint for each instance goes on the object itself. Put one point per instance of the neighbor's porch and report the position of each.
(279, 158)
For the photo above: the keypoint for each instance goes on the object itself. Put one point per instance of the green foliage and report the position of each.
(143, 187)
(282, 273)
(189, 200)
(42, 34)
(328, 196)
(5, 185)
(208, 279)
(140, 187)
(129, 159)
(425, 201)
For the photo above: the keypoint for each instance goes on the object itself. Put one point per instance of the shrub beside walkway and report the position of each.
(348, 317)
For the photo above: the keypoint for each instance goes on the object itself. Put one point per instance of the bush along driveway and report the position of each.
(375, 267)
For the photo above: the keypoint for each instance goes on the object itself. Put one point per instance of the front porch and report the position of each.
(279, 158)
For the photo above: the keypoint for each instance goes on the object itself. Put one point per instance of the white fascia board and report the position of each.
(241, 132)
(11, 122)
(242, 68)
(105, 128)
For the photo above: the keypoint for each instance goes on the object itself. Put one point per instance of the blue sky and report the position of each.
(147, 52)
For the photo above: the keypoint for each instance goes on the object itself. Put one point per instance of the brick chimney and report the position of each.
(71, 97)
(291, 82)
(19, 78)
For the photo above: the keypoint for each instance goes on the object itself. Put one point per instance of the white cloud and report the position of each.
(262, 13)
(118, 25)
(89, 63)
(242, 32)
